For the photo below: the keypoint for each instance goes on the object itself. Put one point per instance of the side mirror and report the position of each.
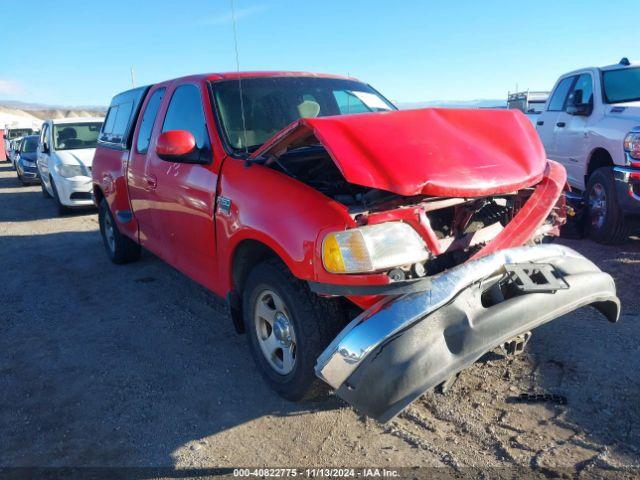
(577, 106)
(45, 147)
(178, 146)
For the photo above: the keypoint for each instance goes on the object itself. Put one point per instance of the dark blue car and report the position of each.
(26, 161)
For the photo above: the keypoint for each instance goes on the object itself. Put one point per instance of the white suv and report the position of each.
(591, 124)
(65, 156)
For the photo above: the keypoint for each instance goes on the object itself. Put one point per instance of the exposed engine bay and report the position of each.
(453, 228)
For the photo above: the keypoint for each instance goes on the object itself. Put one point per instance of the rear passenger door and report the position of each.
(571, 133)
(141, 182)
(185, 193)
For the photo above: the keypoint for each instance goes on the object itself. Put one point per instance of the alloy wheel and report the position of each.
(275, 332)
(597, 206)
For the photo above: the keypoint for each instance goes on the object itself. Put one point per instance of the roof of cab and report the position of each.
(620, 65)
(58, 121)
(245, 75)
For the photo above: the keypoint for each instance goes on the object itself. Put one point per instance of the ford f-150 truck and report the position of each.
(378, 250)
(591, 125)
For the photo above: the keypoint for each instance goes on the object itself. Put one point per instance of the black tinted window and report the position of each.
(185, 113)
(557, 101)
(148, 120)
(585, 85)
(117, 127)
(621, 85)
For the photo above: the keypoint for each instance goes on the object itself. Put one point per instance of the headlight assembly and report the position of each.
(69, 171)
(373, 248)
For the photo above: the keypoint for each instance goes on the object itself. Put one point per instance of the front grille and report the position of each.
(80, 196)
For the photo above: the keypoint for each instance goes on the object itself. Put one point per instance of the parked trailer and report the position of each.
(527, 101)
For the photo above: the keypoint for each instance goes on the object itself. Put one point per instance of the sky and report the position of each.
(80, 52)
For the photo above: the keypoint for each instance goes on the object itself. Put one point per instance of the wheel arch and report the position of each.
(599, 157)
(246, 254)
(98, 195)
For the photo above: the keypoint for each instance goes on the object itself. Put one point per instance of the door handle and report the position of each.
(540, 122)
(152, 182)
(560, 124)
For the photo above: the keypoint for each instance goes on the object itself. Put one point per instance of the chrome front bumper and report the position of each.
(395, 351)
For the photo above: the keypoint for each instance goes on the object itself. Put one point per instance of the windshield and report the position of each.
(270, 104)
(29, 145)
(72, 136)
(621, 85)
(18, 132)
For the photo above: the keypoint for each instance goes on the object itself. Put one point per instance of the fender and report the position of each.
(243, 214)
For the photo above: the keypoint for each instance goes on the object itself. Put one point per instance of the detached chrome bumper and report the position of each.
(395, 351)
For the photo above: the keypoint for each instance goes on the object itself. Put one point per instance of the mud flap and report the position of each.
(393, 353)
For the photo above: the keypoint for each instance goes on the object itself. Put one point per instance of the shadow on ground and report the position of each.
(107, 365)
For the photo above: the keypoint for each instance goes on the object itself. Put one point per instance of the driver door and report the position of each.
(571, 138)
(185, 192)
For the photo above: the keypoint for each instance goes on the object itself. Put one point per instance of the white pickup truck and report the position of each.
(591, 124)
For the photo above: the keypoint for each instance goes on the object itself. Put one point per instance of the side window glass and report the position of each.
(558, 99)
(148, 120)
(584, 84)
(110, 120)
(121, 121)
(349, 103)
(185, 113)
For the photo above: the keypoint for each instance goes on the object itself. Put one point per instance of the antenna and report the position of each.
(235, 41)
(133, 78)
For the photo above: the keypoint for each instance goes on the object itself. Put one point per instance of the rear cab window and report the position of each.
(118, 126)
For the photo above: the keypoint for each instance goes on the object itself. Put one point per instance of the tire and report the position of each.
(314, 321)
(120, 249)
(45, 193)
(605, 221)
(62, 209)
(24, 184)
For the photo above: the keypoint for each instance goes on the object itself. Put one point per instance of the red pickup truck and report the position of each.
(377, 250)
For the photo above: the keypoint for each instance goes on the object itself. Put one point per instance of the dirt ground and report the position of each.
(136, 365)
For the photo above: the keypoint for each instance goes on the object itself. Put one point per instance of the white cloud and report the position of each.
(9, 87)
(227, 17)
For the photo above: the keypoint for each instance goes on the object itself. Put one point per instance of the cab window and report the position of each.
(558, 99)
(185, 113)
(148, 120)
(584, 83)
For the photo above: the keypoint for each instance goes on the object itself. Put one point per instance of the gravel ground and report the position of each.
(137, 365)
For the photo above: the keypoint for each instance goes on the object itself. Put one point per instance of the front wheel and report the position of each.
(62, 209)
(120, 249)
(606, 223)
(45, 193)
(288, 327)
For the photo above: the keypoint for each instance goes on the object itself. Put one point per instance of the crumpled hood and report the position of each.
(439, 152)
(83, 156)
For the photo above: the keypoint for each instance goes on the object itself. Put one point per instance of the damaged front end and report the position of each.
(403, 346)
(448, 212)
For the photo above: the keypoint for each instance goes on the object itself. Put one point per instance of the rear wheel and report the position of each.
(120, 249)
(288, 327)
(606, 223)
